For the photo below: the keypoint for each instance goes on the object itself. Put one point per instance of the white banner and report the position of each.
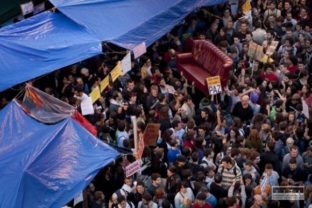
(126, 63)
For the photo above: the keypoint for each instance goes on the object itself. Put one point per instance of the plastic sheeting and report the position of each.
(44, 107)
(42, 44)
(46, 165)
(128, 23)
(48, 109)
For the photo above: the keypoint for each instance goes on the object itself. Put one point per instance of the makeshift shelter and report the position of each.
(42, 44)
(46, 165)
(50, 41)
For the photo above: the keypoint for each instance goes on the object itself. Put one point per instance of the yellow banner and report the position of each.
(95, 94)
(104, 83)
(116, 72)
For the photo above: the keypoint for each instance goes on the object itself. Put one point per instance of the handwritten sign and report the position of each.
(305, 109)
(272, 47)
(87, 106)
(126, 63)
(214, 85)
(133, 168)
(27, 8)
(151, 134)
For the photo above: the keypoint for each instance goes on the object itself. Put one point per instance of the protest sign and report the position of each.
(126, 63)
(27, 8)
(151, 134)
(87, 106)
(214, 85)
(305, 109)
(133, 168)
(271, 48)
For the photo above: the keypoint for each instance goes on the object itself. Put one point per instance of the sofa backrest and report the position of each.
(211, 58)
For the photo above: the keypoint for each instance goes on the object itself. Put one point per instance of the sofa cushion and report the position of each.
(196, 71)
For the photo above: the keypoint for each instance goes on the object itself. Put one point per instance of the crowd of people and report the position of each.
(226, 150)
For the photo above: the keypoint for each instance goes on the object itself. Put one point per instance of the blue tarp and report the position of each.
(42, 44)
(128, 23)
(45, 165)
(50, 41)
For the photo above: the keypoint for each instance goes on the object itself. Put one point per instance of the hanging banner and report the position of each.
(104, 83)
(139, 50)
(126, 63)
(27, 8)
(95, 94)
(116, 72)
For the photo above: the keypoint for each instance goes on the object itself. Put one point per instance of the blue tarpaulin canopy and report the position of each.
(50, 41)
(46, 165)
(128, 23)
(42, 44)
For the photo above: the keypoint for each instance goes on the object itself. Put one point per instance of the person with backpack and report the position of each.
(207, 160)
(229, 171)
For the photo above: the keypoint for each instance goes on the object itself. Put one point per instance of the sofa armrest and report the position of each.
(184, 57)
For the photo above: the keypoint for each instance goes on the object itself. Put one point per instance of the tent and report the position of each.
(41, 44)
(50, 41)
(46, 165)
(128, 23)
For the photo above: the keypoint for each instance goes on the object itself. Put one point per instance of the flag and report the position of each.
(84, 122)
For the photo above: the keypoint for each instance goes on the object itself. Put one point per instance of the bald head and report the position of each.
(245, 101)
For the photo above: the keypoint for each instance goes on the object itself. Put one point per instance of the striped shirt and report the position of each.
(229, 175)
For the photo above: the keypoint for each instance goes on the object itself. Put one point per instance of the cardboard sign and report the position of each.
(151, 134)
(140, 147)
(214, 85)
(116, 72)
(252, 49)
(139, 50)
(133, 168)
(305, 109)
(271, 48)
(95, 94)
(126, 63)
(104, 83)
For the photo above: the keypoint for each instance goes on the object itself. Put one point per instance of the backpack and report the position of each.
(234, 171)
(119, 194)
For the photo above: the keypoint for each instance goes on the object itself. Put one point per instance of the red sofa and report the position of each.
(204, 61)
